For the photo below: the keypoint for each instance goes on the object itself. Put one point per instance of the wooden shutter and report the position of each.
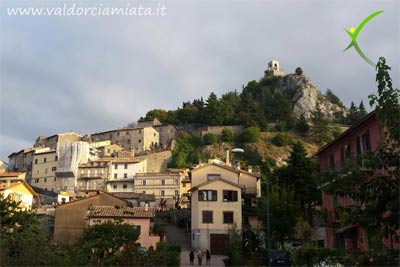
(214, 195)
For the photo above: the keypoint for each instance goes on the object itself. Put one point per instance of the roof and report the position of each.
(19, 181)
(45, 152)
(133, 195)
(213, 180)
(120, 130)
(92, 196)
(122, 212)
(226, 167)
(126, 160)
(41, 191)
(11, 174)
(345, 133)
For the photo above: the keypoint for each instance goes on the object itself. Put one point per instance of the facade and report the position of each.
(140, 217)
(3, 166)
(71, 218)
(167, 133)
(53, 140)
(44, 167)
(157, 162)
(93, 175)
(349, 146)
(19, 190)
(12, 175)
(273, 69)
(137, 139)
(231, 194)
(109, 150)
(216, 206)
(123, 172)
(164, 186)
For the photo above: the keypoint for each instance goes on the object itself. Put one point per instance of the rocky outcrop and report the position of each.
(306, 97)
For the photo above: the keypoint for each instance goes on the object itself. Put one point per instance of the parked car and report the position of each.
(280, 258)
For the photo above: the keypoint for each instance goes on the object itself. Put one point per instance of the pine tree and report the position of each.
(362, 111)
(319, 129)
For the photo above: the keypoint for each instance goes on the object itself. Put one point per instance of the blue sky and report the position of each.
(90, 74)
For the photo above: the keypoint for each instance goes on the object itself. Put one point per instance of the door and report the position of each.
(217, 243)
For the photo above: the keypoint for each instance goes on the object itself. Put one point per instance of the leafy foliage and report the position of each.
(227, 135)
(250, 135)
(210, 139)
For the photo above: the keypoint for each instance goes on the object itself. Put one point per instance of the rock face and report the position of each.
(306, 97)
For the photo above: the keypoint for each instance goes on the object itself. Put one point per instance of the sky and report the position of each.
(95, 73)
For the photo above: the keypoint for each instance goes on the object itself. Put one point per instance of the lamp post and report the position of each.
(268, 226)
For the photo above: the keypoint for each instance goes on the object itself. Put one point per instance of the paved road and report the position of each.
(180, 236)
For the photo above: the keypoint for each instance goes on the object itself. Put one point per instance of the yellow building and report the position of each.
(19, 191)
(43, 170)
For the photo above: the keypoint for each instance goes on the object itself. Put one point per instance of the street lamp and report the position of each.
(268, 237)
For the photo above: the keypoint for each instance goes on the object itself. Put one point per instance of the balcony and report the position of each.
(344, 166)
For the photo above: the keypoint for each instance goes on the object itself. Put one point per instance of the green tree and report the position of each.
(334, 99)
(362, 111)
(213, 114)
(227, 135)
(302, 125)
(210, 139)
(319, 128)
(103, 244)
(354, 114)
(250, 135)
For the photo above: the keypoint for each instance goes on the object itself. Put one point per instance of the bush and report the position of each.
(227, 135)
(299, 71)
(250, 135)
(308, 255)
(209, 139)
(281, 126)
(336, 131)
(282, 139)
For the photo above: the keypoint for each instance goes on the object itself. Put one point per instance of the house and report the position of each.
(20, 191)
(46, 197)
(366, 135)
(139, 139)
(12, 175)
(44, 167)
(3, 166)
(123, 172)
(140, 217)
(220, 196)
(93, 175)
(165, 187)
(70, 218)
(53, 140)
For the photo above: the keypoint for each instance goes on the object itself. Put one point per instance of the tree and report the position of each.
(104, 243)
(213, 114)
(302, 125)
(319, 128)
(23, 239)
(299, 71)
(227, 135)
(210, 139)
(354, 114)
(361, 110)
(334, 99)
(250, 135)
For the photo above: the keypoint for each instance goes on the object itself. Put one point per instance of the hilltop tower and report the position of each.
(273, 69)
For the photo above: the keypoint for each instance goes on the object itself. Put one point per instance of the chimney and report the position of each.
(227, 160)
(146, 207)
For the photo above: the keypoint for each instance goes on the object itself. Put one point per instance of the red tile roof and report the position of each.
(122, 212)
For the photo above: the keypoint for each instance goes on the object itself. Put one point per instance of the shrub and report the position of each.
(299, 71)
(250, 135)
(209, 139)
(282, 139)
(281, 126)
(227, 135)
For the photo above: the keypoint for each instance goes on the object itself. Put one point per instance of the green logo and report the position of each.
(353, 33)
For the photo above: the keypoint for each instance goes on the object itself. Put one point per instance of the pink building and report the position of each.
(140, 217)
(363, 136)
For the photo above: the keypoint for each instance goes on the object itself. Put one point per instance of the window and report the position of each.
(127, 133)
(154, 134)
(115, 186)
(115, 176)
(125, 175)
(35, 161)
(115, 166)
(140, 131)
(228, 216)
(129, 141)
(176, 193)
(162, 182)
(144, 192)
(183, 184)
(140, 140)
(126, 166)
(55, 179)
(144, 182)
(44, 160)
(139, 228)
(53, 169)
(118, 134)
(212, 176)
(56, 158)
(45, 171)
(162, 193)
(207, 216)
(45, 180)
(124, 186)
(347, 149)
(332, 161)
(366, 143)
(207, 195)
(108, 151)
(230, 196)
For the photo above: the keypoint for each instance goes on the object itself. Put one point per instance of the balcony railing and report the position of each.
(343, 166)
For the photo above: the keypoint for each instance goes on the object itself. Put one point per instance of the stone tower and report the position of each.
(273, 69)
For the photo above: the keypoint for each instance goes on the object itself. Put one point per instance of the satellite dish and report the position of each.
(237, 150)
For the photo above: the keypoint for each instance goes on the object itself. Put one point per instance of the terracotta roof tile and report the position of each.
(123, 212)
